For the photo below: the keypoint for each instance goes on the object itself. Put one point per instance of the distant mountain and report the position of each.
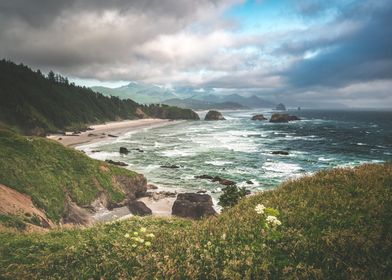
(35, 104)
(190, 103)
(250, 102)
(139, 92)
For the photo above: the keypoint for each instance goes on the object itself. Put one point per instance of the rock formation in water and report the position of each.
(214, 116)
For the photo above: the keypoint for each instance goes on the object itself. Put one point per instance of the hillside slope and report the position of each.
(195, 104)
(336, 224)
(59, 180)
(35, 104)
(140, 92)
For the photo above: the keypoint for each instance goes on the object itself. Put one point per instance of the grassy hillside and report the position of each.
(336, 224)
(48, 172)
(36, 104)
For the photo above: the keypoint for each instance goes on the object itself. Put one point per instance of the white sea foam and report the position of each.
(282, 168)
(179, 152)
(218, 162)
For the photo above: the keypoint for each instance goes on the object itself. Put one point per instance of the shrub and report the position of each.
(231, 196)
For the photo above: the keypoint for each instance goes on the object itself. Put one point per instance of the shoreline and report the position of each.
(109, 130)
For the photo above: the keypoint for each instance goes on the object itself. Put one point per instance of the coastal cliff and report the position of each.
(63, 183)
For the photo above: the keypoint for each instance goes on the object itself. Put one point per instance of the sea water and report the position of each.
(240, 149)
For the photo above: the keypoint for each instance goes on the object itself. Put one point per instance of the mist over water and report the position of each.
(241, 150)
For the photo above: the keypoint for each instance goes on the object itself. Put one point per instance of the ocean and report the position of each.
(240, 149)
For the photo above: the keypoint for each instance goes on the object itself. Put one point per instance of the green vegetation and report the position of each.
(231, 196)
(48, 172)
(35, 104)
(336, 224)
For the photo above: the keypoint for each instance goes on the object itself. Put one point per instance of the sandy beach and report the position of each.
(108, 130)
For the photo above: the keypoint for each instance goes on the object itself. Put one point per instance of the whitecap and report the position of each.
(218, 162)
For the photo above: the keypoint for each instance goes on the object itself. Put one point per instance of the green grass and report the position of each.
(47, 171)
(336, 224)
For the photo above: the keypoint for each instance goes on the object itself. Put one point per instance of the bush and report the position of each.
(231, 196)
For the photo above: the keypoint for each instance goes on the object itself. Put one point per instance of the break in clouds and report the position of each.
(325, 51)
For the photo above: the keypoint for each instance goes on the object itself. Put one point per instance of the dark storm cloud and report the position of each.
(364, 56)
(94, 38)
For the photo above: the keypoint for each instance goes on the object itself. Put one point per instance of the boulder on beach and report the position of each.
(193, 205)
(259, 117)
(139, 208)
(214, 116)
(123, 150)
(283, 118)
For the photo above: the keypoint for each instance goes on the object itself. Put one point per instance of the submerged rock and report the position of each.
(204, 176)
(214, 116)
(193, 205)
(259, 117)
(123, 150)
(173, 166)
(139, 208)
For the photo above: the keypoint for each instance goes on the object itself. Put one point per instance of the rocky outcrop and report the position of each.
(139, 208)
(294, 118)
(118, 163)
(133, 187)
(223, 181)
(218, 179)
(73, 214)
(193, 205)
(214, 116)
(283, 153)
(282, 118)
(123, 150)
(259, 117)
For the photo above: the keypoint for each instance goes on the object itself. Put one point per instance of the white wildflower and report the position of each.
(272, 220)
(126, 235)
(143, 229)
(259, 208)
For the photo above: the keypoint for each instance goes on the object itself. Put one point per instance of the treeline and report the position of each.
(38, 104)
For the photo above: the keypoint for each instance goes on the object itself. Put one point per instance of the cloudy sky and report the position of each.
(337, 51)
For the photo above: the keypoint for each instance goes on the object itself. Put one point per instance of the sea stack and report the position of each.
(214, 116)
(280, 107)
(283, 118)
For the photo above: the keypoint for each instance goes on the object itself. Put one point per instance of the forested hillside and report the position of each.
(36, 104)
